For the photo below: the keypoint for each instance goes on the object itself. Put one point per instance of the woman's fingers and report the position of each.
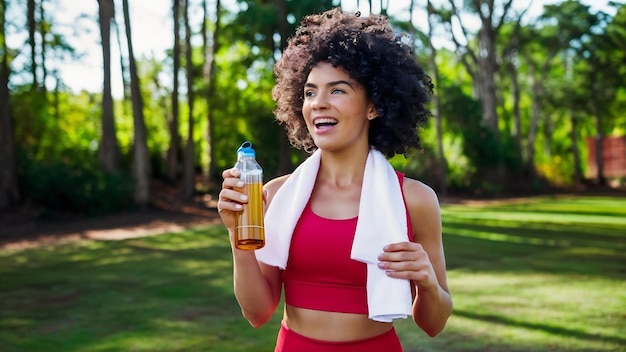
(407, 260)
(230, 173)
(230, 199)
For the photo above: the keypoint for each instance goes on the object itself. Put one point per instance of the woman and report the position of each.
(348, 90)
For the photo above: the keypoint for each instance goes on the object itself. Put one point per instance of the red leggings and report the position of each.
(290, 341)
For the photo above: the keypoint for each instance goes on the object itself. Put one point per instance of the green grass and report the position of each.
(543, 274)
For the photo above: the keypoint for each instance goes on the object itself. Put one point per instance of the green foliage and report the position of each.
(463, 117)
(243, 108)
(421, 165)
(57, 163)
(79, 188)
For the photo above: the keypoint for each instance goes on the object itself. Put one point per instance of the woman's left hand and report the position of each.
(408, 260)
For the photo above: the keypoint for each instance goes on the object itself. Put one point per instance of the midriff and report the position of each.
(331, 326)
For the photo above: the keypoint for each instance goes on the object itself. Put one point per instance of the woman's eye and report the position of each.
(308, 93)
(337, 91)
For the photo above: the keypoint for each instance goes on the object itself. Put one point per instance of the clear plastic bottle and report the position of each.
(250, 229)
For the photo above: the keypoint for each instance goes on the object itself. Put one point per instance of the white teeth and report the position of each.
(322, 121)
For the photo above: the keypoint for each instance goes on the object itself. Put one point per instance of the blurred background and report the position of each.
(105, 104)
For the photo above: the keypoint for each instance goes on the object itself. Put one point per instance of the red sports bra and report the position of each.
(320, 274)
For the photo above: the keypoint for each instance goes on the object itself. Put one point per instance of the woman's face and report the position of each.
(335, 108)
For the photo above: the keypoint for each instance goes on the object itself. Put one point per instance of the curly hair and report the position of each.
(380, 60)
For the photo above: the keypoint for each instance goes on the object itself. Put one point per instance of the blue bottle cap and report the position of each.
(246, 149)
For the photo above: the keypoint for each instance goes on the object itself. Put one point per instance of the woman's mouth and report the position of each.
(324, 123)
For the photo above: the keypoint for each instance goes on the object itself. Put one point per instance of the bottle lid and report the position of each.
(246, 149)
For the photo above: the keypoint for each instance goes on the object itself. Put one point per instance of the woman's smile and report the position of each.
(324, 124)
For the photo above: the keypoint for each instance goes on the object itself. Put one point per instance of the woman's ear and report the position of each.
(372, 113)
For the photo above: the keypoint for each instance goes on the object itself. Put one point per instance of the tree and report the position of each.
(572, 22)
(43, 31)
(512, 42)
(211, 47)
(108, 151)
(604, 53)
(481, 62)
(32, 42)
(9, 190)
(441, 158)
(174, 146)
(190, 151)
(141, 164)
(478, 54)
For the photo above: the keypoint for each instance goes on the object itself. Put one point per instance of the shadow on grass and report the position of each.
(162, 293)
(559, 205)
(539, 240)
(552, 329)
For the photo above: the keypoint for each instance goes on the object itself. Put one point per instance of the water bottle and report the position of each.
(249, 228)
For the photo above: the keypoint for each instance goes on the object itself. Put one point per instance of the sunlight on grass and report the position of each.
(540, 309)
(539, 274)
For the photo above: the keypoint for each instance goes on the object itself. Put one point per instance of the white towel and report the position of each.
(381, 221)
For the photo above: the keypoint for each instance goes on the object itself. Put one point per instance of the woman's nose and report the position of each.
(319, 102)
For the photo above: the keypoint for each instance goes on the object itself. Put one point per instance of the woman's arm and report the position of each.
(257, 286)
(422, 261)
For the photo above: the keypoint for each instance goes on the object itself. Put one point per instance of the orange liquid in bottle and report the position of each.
(249, 230)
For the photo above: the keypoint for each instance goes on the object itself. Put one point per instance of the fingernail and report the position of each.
(238, 206)
(243, 197)
(240, 184)
(381, 265)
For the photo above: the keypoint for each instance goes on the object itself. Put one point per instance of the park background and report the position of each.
(526, 148)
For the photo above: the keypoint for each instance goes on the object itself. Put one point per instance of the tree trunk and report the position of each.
(141, 162)
(210, 51)
(578, 173)
(32, 31)
(42, 32)
(9, 189)
(517, 116)
(537, 80)
(190, 153)
(284, 161)
(548, 131)
(487, 72)
(109, 149)
(123, 70)
(442, 164)
(174, 147)
(599, 133)
(535, 114)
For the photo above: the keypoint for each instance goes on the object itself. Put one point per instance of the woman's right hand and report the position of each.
(231, 199)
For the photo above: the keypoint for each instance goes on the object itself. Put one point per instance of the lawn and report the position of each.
(538, 274)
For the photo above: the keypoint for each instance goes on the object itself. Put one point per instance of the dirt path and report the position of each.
(19, 228)
(106, 228)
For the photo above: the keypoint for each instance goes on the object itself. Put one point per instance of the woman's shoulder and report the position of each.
(273, 185)
(423, 206)
(419, 197)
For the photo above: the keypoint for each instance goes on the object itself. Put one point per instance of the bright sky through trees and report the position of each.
(151, 26)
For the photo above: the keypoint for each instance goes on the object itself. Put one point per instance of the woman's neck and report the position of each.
(343, 168)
